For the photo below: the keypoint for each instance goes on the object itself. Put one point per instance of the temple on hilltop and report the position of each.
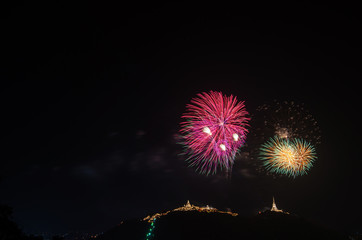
(188, 207)
(275, 209)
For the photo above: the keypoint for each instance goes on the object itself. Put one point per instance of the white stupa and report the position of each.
(274, 207)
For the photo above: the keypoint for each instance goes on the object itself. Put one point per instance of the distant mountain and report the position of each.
(216, 225)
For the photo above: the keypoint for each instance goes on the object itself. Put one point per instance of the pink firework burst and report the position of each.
(214, 131)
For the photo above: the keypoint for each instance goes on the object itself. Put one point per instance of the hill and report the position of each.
(215, 225)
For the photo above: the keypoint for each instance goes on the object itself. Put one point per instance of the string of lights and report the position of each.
(150, 233)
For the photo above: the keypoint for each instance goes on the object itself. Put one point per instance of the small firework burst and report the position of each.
(286, 120)
(214, 131)
(287, 157)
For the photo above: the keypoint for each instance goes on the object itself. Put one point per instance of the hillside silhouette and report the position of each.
(203, 225)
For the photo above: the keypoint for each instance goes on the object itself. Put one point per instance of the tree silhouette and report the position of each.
(9, 230)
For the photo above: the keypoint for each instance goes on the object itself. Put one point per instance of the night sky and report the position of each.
(92, 97)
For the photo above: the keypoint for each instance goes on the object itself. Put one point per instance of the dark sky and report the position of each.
(92, 95)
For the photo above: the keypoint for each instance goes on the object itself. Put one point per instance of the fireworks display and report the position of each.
(285, 120)
(283, 139)
(287, 157)
(214, 131)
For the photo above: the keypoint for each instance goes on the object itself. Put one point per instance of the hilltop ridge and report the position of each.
(209, 223)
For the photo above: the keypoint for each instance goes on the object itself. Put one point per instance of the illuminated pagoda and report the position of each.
(186, 207)
(275, 209)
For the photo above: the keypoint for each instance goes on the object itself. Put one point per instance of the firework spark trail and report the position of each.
(287, 157)
(286, 120)
(214, 130)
